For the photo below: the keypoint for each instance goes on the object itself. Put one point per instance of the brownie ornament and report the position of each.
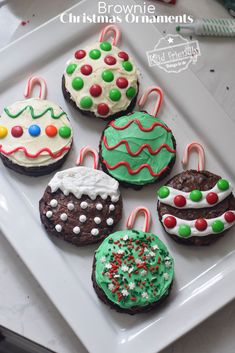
(132, 269)
(138, 149)
(196, 206)
(81, 205)
(101, 80)
(35, 134)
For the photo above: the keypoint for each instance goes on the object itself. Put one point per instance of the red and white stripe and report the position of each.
(144, 97)
(135, 213)
(84, 152)
(36, 80)
(116, 34)
(201, 155)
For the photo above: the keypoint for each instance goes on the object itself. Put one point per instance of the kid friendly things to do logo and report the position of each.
(173, 53)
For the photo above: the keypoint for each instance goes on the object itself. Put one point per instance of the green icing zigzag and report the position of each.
(34, 116)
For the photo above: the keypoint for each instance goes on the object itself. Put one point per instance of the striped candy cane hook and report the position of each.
(134, 214)
(36, 80)
(116, 34)
(201, 155)
(144, 98)
(84, 152)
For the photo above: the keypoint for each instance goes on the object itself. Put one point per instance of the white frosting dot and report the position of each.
(63, 217)
(84, 205)
(97, 220)
(53, 203)
(115, 198)
(111, 207)
(76, 230)
(49, 214)
(82, 218)
(58, 228)
(95, 231)
(104, 196)
(99, 206)
(109, 221)
(70, 206)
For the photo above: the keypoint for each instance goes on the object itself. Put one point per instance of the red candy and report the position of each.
(80, 54)
(95, 90)
(170, 222)
(123, 55)
(51, 130)
(110, 60)
(103, 109)
(201, 224)
(86, 70)
(212, 198)
(180, 201)
(121, 82)
(17, 131)
(229, 216)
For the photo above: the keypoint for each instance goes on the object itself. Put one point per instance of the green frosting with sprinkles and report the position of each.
(137, 148)
(133, 268)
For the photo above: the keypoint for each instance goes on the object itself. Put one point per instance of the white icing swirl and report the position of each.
(34, 144)
(95, 77)
(85, 181)
(169, 200)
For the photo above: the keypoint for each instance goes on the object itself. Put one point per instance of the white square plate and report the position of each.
(204, 277)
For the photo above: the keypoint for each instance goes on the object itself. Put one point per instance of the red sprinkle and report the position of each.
(133, 298)
(159, 260)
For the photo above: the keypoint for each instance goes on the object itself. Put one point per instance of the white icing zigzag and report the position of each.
(85, 181)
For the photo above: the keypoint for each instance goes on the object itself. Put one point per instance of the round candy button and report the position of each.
(121, 82)
(3, 132)
(95, 90)
(65, 131)
(86, 70)
(195, 195)
(106, 46)
(80, 54)
(163, 192)
(95, 54)
(217, 226)
(86, 102)
(127, 66)
(229, 216)
(77, 83)
(170, 222)
(131, 92)
(103, 109)
(184, 230)
(115, 94)
(123, 55)
(179, 201)
(34, 130)
(17, 131)
(107, 76)
(110, 60)
(212, 198)
(71, 68)
(201, 224)
(223, 184)
(51, 130)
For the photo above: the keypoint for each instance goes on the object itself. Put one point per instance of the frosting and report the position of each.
(101, 80)
(137, 148)
(85, 181)
(38, 133)
(195, 198)
(133, 268)
(199, 227)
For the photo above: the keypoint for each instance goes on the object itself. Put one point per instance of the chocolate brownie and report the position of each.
(196, 207)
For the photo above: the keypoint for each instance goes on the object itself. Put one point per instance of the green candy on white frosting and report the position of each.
(133, 268)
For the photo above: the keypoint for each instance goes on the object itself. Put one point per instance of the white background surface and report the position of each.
(23, 305)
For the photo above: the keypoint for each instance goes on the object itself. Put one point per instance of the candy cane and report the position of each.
(135, 213)
(116, 34)
(84, 152)
(144, 98)
(201, 155)
(32, 81)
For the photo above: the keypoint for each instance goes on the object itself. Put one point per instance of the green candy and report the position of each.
(86, 102)
(131, 92)
(223, 184)
(95, 54)
(127, 65)
(195, 195)
(184, 230)
(217, 226)
(115, 94)
(71, 68)
(65, 131)
(106, 46)
(107, 76)
(163, 192)
(77, 83)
